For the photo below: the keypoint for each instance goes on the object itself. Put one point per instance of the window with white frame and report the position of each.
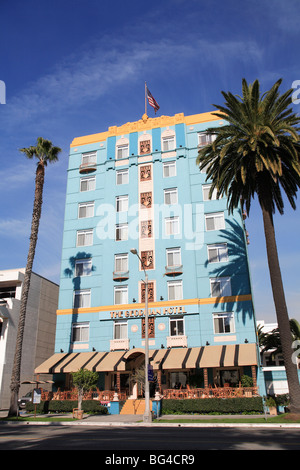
(223, 322)
(82, 298)
(175, 290)
(86, 209)
(170, 196)
(88, 183)
(205, 191)
(80, 332)
(177, 326)
(120, 330)
(217, 253)
(121, 203)
(121, 263)
(173, 257)
(169, 169)
(168, 143)
(122, 151)
(120, 295)
(215, 221)
(84, 237)
(89, 158)
(172, 225)
(83, 267)
(220, 286)
(121, 232)
(205, 139)
(122, 176)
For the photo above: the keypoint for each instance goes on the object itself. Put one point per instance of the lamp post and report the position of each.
(147, 418)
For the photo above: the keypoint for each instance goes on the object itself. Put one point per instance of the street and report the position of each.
(153, 438)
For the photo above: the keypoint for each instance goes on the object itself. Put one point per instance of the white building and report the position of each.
(39, 332)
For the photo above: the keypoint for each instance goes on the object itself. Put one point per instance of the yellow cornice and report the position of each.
(143, 124)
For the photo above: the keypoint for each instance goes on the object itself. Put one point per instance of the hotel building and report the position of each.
(138, 186)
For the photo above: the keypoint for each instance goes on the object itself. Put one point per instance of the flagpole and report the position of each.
(145, 98)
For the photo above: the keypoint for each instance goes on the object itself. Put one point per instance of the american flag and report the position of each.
(152, 101)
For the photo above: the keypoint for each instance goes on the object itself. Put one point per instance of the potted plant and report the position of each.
(247, 382)
(271, 404)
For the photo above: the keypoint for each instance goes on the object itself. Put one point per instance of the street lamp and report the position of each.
(147, 418)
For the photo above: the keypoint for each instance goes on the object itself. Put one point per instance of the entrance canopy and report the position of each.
(161, 359)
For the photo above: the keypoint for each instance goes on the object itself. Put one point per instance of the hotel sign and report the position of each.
(151, 312)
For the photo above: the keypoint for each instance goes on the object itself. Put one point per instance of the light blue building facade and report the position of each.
(138, 186)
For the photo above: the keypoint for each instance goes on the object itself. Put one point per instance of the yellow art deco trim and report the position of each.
(143, 124)
(168, 303)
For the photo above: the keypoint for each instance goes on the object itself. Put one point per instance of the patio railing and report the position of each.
(217, 392)
(101, 395)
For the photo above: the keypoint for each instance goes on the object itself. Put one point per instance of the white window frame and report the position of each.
(224, 286)
(171, 194)
(88, 158)
(175, 321)
(168, 143)
(88, 237)
(205, 192)
(123, 290)
(169, 167)
(86, 209)
(82, 330)
(171, 225)
(83, 267)
(123, 174)
(223, 321)
(174, 253)
(120, 329)
(178, 293)
(122, 259)
(205, 139)
(84, 298)
(122, 203)
(219, 221)
(122, 151)
(221, 255)
(121, 232)
(90, 183)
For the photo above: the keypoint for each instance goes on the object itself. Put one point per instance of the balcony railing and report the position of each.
(119, 344)
(173, 270)
(120, 276)
(87, 167)
(177, 341)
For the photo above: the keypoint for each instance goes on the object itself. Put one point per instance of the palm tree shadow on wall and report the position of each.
(236, 268)
(76, 279)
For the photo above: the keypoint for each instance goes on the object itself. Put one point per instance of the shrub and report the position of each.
(67, 406)
(213, 406)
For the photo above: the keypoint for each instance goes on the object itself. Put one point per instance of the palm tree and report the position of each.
(45, 152)
(257, 153)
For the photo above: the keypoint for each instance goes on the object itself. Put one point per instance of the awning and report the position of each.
(230, 355)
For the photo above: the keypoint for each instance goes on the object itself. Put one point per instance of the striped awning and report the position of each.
(230, 355)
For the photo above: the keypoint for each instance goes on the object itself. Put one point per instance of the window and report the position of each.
(176, 326)
(205, 190)
(175, 290)
(122, 177)
(122, 151)
(217, 253)
(85, 237)
(215, 221)
(224, 322)
(83, 267)
(172, 225)
(80, 331)
(170, 196)
(173, 257)
(86, 209)
(82, 298)
(120, 330)
(204, 139)
(88, 184)
(220, 286)
(121, 232)
(121, 263)
(168, 143)
(169, 169)
(121, 295)
(122, 203)
(89, 158)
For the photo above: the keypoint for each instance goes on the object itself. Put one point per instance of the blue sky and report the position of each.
(74, 67)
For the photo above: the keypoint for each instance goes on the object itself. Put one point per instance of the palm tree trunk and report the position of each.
(36, 215)
(281, 309)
